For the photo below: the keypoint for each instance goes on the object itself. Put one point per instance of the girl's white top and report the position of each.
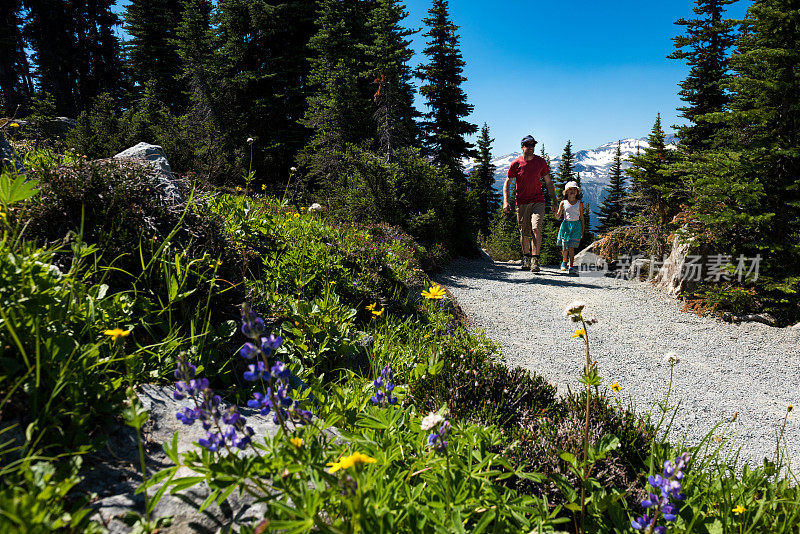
(571, 211)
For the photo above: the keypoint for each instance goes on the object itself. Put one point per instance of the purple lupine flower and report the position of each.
(248, 351)
(384, 385)
(438, 440)
(252, 325)
(270, 344)
(257, 370)
(280, 371)
(669, 484)
(260, 402)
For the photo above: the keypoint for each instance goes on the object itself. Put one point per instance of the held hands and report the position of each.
(506, 207)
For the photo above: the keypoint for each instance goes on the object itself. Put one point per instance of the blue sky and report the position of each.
(580, 70)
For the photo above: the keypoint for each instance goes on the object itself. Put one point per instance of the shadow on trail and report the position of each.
(510, 273)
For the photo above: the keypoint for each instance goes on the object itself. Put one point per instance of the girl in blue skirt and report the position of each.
(571, 231)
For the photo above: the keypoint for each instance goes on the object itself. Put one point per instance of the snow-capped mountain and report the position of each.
(593, 166)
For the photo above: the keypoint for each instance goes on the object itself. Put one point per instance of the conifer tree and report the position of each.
(387, 55)
(338, 107)
(15, 82)
(75, 50)
(98, 66)
(566, 170)
(263, 60)
(152, 52)
(656, 190)
(611, 213)
(484, 198)
(765, 116)
(51, 33)
(704, 48)
(444, 125)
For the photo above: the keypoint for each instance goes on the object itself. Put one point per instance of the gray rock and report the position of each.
(797, 326)
(113, 474)
(154, 156)
(8, 157)
(672, 277)
(763, 318)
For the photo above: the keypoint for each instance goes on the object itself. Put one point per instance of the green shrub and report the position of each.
(502, 243)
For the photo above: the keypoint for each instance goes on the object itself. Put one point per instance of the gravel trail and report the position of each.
(752, 369)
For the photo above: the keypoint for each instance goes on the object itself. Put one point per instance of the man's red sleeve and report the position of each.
(512, 170)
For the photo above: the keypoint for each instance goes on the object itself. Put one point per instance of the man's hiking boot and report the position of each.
(535, 264)
(526, 263)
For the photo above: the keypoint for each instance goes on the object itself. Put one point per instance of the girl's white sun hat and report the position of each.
(572, 185)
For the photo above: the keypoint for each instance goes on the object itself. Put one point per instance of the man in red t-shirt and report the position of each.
(528, 170)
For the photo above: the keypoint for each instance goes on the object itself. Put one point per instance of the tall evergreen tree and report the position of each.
(566, 171)
(765, 117)
(704, 48)
(484, 198)
(99, 69)
(51, 32)
(656, 190)
(611, 213)
(444, 125)
(75, 50)
(15, 82)
(338, 101)
(263, 63)
(387, 55)
(152, 52)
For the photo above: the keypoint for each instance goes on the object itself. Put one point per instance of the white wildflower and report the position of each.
(432, 420)
(575, 307)
(671, 358)
(315, 207)
(250, 140)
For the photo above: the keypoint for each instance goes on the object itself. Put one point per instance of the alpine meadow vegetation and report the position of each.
(289, 281)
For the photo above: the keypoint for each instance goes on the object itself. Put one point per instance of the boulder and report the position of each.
(796, 327)
(154, 156)
(113, 473)
(672, 275)
(589, 263)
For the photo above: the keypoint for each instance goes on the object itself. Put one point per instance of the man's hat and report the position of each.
(527, 140)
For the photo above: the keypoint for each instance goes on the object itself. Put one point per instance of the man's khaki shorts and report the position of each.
(529, 217)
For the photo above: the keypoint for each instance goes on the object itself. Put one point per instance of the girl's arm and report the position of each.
(583, 221)
(560, 210)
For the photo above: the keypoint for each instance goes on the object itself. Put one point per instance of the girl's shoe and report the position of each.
(573, 270)
(563, 266)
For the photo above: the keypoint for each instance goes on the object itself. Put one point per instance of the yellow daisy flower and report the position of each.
(615, 387)
(116, 333)
(378, 313)
(297, 442)
(580, 332)
(372, 306)
(434, 292)
(349, 461)
(739, 510)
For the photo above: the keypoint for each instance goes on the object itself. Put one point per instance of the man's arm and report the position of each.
(506, 188)
(551, 189)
